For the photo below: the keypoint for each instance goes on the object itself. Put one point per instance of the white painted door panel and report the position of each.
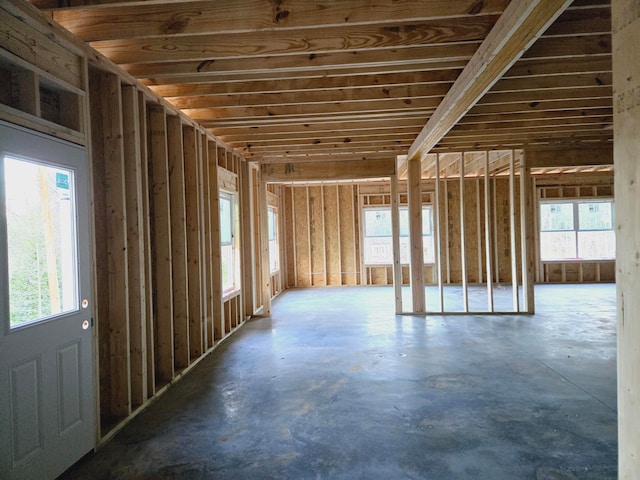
(47, 392)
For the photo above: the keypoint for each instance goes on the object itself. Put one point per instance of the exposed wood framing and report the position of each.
(217, 316)
(265, 274)
(161, 245)
(193, 205)
(179, 279)
(327, 170)
(137, 281)
(247, 239)
(414, 191)
(517, 28)
(113, 302)
(463, 240)
(512, 232)
(570, 157)
(328, 109)
(395, 234)
(487, 234)
(437, 219)
(526, 236)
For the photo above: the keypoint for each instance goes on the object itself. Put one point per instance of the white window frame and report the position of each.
(227, 286)
(576, 230)
(274, 243)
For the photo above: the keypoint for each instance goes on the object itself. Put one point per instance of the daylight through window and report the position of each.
(577, 230)
(378, 245)
(274, 259)
(227, 240)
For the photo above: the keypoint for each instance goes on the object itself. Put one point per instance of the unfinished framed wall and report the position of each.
(160, 306)
(322, 234)
(324, 230)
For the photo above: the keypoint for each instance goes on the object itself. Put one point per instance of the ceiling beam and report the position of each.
(519, 26)
(575, 157)
(328, 170)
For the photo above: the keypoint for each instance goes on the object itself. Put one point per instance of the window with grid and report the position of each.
(577, 230)
(274, 258)
(227, 241)
(378, 244)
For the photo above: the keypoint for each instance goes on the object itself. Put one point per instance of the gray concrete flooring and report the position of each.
(335, 386)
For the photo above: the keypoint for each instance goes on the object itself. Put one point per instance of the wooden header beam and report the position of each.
(329, 170)
(515, 31)
(576, 157)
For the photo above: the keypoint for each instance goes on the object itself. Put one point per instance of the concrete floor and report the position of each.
(334, 385)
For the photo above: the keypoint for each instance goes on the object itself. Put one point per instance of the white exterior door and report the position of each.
(47, 392)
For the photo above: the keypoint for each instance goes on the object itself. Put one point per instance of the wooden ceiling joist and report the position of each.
(118, 19)
(518, 27)
(297, 81)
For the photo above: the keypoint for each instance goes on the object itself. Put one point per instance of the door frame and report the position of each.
(88, 257)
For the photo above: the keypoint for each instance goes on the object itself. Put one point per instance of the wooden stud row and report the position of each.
(159, 305)
(321, 240)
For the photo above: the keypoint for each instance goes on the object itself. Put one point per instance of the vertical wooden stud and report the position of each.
(325, 243)
(438, 239)
(135, 245)
(309, 247)
(246, 236)
(161, 245)
(479, 228)
(264, 247)
(463, 247)
(256, 216)
(536, 195)
(359, 256)
(178, 242)
(146, 239)
(414, 190)
(101, 278)
(487, 233)
(447, 253)
(293, 243)
(217, 317)
(512, 230)
(395, 237)
(194, 236)
(339, 233)
(118, 286)
(496, 257)
(526, 237)
(207, 253)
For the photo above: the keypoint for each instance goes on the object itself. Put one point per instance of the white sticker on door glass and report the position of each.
(41, 240)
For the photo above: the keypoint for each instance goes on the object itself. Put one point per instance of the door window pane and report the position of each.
(40, 209)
